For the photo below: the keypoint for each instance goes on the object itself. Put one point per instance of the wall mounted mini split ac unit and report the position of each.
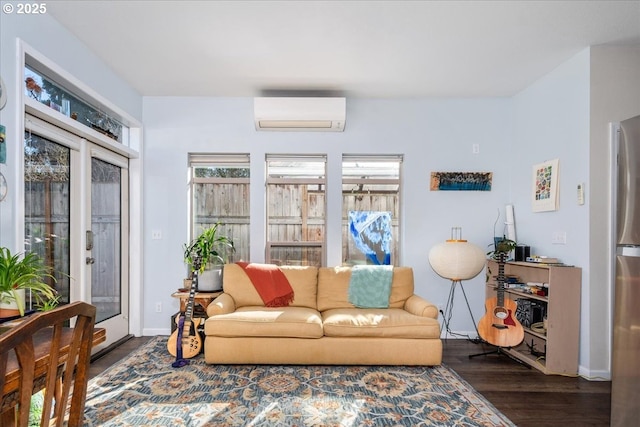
(306, 114)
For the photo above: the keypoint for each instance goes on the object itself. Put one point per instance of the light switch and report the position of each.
(581, 193)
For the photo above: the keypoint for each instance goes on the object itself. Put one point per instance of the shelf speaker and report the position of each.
(530, 311)
(522, 252)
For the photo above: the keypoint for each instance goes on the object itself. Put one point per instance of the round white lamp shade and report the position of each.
(457, 260)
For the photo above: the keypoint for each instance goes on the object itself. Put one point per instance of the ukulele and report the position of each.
(499, 326)
(191, 340)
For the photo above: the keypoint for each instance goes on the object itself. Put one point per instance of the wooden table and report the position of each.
(201, 298)
(42, 343)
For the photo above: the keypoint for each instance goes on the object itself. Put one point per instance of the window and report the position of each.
(296, 209)
(220, 193)
(45, 90)
(371, 209)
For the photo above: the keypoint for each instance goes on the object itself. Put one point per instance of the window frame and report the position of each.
(304, 180)
(396, 255)
(218, 160)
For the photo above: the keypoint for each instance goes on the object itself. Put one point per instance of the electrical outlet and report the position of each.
(156, 234)
(158, 307)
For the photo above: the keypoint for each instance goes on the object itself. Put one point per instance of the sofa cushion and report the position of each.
(303, 280)
(333, 287)
(378, 322)
(260, 321)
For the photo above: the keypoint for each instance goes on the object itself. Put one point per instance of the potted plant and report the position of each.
(502, 247)
(17, 274)
(212, 249)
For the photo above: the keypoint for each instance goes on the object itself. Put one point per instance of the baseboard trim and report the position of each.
(594, 375)
(152, 332)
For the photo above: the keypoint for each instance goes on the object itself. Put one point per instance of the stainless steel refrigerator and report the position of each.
(625, 385)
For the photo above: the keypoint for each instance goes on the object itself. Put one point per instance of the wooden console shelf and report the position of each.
(201, 298)
(560, 344)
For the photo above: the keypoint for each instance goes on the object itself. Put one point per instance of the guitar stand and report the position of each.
(499, 351)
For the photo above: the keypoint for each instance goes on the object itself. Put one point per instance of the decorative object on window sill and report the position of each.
(33, 88)
(103, 124)
(461, 181)
(545, 186)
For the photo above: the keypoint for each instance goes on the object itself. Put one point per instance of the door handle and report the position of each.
(89, 235)
(90, 260)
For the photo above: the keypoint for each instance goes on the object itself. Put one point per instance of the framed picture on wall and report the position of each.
(460, 181)
(545, 192)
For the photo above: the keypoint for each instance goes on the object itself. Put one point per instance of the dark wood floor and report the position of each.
(526, 396)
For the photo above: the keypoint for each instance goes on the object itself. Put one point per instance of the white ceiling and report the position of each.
(366, 49)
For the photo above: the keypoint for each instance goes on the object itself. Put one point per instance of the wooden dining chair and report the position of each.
(50, 355)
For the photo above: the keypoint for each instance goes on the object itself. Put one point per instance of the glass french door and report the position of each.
(76, 219)
(48, 217)
(106, 237)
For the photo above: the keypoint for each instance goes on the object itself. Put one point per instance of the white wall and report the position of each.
(615, 96)
(434, 135)
(552, 121)
(48, 37)
(566, 115)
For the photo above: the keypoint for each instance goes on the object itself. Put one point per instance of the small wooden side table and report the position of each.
(201, 298)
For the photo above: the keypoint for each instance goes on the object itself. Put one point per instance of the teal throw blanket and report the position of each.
(370, 286)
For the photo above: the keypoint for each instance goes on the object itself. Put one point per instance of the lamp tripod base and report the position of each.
(447, 313)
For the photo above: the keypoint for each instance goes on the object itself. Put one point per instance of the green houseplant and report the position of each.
(502, 246)
(20, 273)
(213, 250)
(501, 249)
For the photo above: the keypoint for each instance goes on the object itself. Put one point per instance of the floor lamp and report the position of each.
(456, 260)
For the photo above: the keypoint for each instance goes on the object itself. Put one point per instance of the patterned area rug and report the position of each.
(144, 390)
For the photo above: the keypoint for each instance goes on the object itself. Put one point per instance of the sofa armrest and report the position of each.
(223, 304)
(420, 307)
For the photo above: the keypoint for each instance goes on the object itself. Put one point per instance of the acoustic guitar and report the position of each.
(190, 337)
(499, 325)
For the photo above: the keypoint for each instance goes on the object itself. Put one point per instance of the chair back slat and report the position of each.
(66, 383)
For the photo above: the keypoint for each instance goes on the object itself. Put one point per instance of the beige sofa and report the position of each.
(320, 326)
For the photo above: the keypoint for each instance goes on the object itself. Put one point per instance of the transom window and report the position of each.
(45, 90)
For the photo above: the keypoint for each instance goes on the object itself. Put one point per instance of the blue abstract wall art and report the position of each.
(461, 181)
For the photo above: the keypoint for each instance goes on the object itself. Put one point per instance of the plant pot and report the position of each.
(210, 280)
(11, 308)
